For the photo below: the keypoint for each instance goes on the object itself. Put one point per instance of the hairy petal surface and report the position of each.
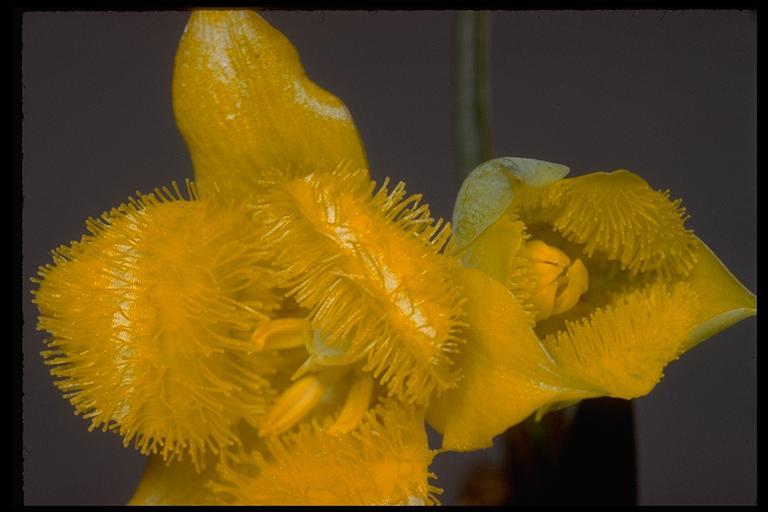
(623, 348)
(384, 461)
(179, 482)
(616, 215)
(369, 268)
(150, 316)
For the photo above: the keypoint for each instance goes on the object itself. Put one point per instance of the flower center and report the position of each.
(325, 372)
(559, 282)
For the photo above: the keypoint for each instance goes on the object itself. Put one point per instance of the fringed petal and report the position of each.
(623, 348)
(370, 269)
(384, 461)
(150, 316)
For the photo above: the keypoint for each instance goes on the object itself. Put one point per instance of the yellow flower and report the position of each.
(277, 333)
(592, 284)
(354, 261)
(282, 293)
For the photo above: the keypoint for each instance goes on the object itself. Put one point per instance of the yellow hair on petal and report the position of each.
(384, 461)
(150, 315)
(623, 348)
(369, 267)
(618, 215)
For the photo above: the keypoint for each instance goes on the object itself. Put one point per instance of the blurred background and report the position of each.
(670, 95)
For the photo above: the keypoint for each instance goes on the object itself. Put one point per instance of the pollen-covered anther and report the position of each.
(281, 334)
(559, 282)
(356, 405)
(298, 400)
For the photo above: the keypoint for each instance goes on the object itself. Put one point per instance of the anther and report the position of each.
(281, 334)
(299, 399)
(295, 403)
(559, 283)
(578, 283)
(356, 405)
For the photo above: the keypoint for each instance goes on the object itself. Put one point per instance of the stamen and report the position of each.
(577, 283)
(555, 292)
(544, 300)
(355, 407)
(298, 400)
(282, 334)
(295, 403)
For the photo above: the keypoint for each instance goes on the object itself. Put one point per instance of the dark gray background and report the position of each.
(669, 95)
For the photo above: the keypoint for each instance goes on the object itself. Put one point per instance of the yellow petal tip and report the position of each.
(724, 300)
(247, 110)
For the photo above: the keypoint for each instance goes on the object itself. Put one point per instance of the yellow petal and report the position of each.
(487, 234)
(724, 301)
(384, 461)
(623, 348)
(247, 110)
(616, 215)
(174, 484)
(507, 372)
(179, 483)
(497, 251)
(148, 316)
(492, 249)
(369, 268)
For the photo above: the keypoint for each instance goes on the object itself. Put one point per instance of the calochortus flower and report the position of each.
(289, 297)
(594, 286)
(278, 332)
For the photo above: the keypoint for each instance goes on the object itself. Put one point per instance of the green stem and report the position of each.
(473, 96)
